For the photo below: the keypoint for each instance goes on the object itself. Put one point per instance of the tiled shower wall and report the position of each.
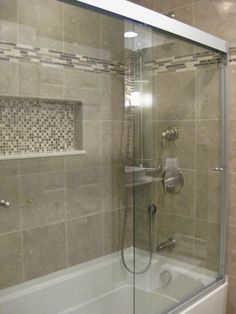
(219, 18)
(64, 210)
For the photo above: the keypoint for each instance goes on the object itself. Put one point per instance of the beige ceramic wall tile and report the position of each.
(231, 306)
(82, 31)
(113, 97)
(44, 250)
(207, 253)
(232, 145)
(183, 148)
(145, 3)
(176, 95)
(232, 200)
(114, 142)
(182, 203)
(208, 195)
(113, 228)
(112, 38)
(8, 21)
(92, 142)
(11, 260)
(8, 78)
(232, 97)
(165, 6)
(37, 165)
(42, 199)
(9, 191)
(208, 95)
(208, 137)
(40, 81)
(82, 200)
(85, 87)
(231, 252)
(113, 188)
(84, 239)
(179, 228)
(217, 18)
(9, 167)
(40, 23)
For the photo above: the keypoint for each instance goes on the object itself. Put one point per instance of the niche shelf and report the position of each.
(39, 127)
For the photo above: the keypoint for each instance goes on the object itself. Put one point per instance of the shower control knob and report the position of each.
(152, 209)
(4, 204)
(219, 169)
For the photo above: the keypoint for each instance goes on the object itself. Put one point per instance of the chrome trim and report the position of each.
(146, 16)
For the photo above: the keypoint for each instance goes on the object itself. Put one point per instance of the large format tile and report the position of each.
(11, 260)
(113, 187)
(208, 195)
(182, 203)
(113, 230)
(9, 191)
(217, 18)
(9, 167)
(82, 200)
(85, 87)
(183, 148)
(176, 96)
(207, 245)
(231, 302)
(114, 142)
(208, 95)
(232, 200)
(179, 228)
(84, 239)
(113, 97)
(112, 38)
(8, 78)
(44, 250)
(8, 20)
(231, 252)
(82, 31)
(40, 81)
(165, 6)
(208, 144)
(146, 3)
(37, 165)
(40, 23)
(92, 142)
(42, 199)
(232, 96)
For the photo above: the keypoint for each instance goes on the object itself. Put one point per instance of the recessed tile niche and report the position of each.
(39, 127)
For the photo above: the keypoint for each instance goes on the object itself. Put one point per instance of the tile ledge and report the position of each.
(42, 155)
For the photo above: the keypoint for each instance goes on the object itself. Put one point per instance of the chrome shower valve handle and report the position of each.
(170, 134)
(4, 204)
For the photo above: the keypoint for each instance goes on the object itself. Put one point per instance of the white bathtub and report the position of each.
(102, 286)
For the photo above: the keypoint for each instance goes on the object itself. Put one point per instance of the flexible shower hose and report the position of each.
(150, 213)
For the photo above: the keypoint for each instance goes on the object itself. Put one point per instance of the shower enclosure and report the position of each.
(112, 159)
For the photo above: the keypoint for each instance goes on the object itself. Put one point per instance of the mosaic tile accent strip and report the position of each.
(30, 125)
(183, 63)
(43, 56)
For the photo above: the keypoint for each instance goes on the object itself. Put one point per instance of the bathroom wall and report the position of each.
(219, 18)
(64, 210)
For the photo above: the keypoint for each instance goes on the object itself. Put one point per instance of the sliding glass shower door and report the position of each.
(178, 163)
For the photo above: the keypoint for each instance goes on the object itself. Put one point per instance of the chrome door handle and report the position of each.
(219, 169)
(4, 204)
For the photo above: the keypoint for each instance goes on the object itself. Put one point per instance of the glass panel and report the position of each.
(178, 130)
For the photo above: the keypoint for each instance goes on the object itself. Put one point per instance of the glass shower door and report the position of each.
(177, 166)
